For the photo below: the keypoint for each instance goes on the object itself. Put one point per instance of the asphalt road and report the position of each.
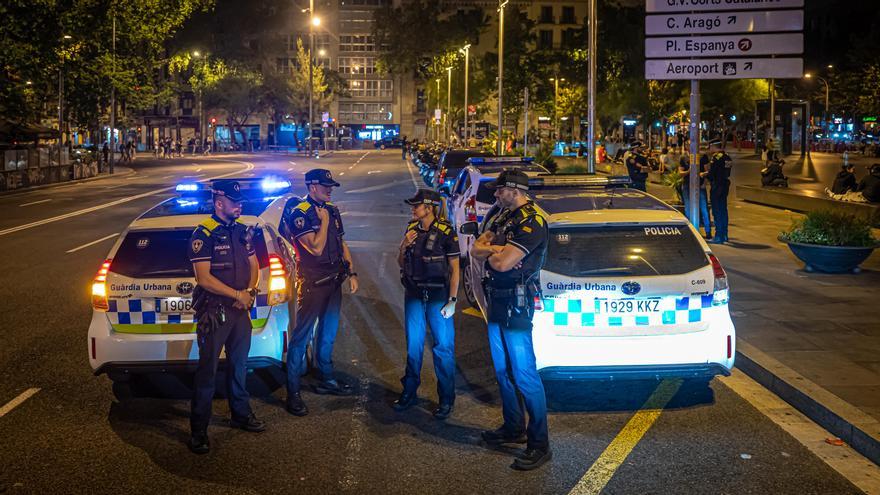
(73, 436)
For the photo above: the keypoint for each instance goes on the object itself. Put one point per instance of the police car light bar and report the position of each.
(272, 184)
(187, 187)
(500, 159)
(578, 181)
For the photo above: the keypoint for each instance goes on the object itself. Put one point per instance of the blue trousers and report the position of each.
(719, 193)
(317, 311)
(705, 221)
(514, 358)
(418, 314)
(235, 336)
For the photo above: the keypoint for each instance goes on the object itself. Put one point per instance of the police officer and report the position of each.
(637, 167)
(719, 165)
(227, 273)
(428, 260)
(514, 249)
(323, 263)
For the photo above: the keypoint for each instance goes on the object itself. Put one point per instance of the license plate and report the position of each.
(628, 306)
(175, 305)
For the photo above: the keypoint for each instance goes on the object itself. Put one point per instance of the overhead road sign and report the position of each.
(724, 68)
(724, 22)
(732, 45)
(718, 5)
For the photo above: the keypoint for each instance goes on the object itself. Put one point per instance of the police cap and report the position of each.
(425, 196)
(510, 178)
(229, 188)
(715, 143)
(635, 145)
(320, 176)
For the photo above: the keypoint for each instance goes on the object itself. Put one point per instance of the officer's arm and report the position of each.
(346, 255)
(483, 247)
(255, 271)
(506, 258)
(210, 282)
(454, 275)
(313, 242)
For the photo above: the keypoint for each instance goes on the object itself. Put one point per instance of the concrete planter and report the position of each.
(829, 259)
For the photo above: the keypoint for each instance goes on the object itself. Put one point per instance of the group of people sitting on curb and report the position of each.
(847, 188)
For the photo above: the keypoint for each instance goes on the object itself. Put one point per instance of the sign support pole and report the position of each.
(591, 125)
(693, 190)
(525, 122)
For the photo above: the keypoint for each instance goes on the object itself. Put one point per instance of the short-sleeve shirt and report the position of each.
(719, 167)
(527, 230)
(633, 164)
(302, 220)
(228, 248)
(686, 165)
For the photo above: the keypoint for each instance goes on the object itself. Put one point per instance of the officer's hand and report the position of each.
(409, 238)
(448, 310)
(486, 237)
(353, 284)
(323, 214)
(243, 298)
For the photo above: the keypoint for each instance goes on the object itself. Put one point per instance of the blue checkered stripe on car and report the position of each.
(143, 312)
(577, 312)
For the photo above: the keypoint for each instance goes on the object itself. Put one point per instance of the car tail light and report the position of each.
(720, 292)
(278, 292)
(539, 303)
(99, 288)
(470, 210)
(729, 347)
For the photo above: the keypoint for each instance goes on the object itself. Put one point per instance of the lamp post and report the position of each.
(61, 102)
(313, 21)
(437, 124)
(501, 4)
(448, 102)
(466, 49)
(591, 126)
(825, 111)
(555, 106)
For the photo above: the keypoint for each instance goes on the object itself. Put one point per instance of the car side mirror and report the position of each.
(469, 228)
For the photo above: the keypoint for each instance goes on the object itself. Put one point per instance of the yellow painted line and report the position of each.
(473, 312)
(601, 472)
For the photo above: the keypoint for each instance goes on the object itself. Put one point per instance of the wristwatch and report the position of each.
(253, 291)
(453, 299)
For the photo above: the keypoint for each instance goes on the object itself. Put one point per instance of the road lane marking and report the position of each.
(35, 202)
(601, 472)
(249, 166)
(27, 394)
(92, 243)
(358, 435)
(371, 172)
(412, 176)
(377, 188)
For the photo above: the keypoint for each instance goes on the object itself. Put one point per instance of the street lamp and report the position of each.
(466, 49)
(501, 5)
(202, 133)
(825, 111)
(436, 123)
(448, 102)
(555, 104)
(61, 100)
(313, 21)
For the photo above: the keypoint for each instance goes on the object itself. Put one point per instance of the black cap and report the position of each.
(425, 196)
(635, 144)
(715, 142)
(229, 188)
(510, 178)
(320, 176)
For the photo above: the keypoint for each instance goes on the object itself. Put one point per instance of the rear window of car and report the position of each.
(484, 194)
(643, 250)
(454, 161)
(163, 254)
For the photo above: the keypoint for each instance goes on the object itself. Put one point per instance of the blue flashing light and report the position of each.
(733, 118)
(187, 187)
(271, 184)
(186, 202)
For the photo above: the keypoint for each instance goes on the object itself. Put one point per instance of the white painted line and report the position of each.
(341, 174)
(292, 163)
(412, 176)
(35, 202)
(92, 243)
(133, 177)
(371, 172)
(193, 176)
(27, 394)
(357, 437)
(290, 169)
(249, 166)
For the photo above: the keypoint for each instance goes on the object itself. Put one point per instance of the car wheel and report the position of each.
(467, 282)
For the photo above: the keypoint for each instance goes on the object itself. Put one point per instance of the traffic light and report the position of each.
(213, 122)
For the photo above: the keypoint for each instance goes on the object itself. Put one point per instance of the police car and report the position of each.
(629, 288)
(142, 318)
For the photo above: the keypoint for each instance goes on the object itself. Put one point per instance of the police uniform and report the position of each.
(634, 162)
(319, 281)
(719, 177)
(227, 246)
(425, 277)
(510, 297)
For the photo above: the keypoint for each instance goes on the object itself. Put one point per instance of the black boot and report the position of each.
(295, 405)
(532, 459)
(443, 411)
(333, 387)
(251, 424)
(198, 442)
(501, 435)
(404, 402)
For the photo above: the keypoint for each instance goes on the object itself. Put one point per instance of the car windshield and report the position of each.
(201, 204)
(163, 253)
(454, 161)
(484, 194)
(643, 250)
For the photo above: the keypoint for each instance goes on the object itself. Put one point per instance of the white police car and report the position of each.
(142, 319)
(630, 289)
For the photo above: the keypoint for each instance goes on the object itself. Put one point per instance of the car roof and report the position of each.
(183, 221)
(588, 205)
(492, 172)
(496, 168)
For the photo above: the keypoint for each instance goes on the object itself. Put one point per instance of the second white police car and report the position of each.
(630, 289)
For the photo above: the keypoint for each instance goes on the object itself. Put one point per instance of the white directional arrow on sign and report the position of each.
(725, 46)
(725, 22)
(712, 6)
(725, 68)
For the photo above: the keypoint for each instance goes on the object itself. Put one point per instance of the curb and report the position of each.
(859, 430)
(12, 192)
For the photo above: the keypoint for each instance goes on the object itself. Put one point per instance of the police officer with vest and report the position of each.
(514, 249)
(637, 167)
(719, 165)
(323, 264)
(227, 273)
(428, 260)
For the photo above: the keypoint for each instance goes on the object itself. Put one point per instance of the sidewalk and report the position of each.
(812, 338)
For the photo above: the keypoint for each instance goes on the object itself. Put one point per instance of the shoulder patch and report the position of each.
(209, 224)
(411, 225)
(540, 220)
(445, 228)
(304, 206)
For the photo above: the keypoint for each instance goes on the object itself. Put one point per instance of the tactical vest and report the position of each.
(229, 259)
(425, 263)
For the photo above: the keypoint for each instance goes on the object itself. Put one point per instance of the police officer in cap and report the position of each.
(227, 273)
(719, 165)
(514, 249)
(323, 263)
(428, 260)
(637, 167)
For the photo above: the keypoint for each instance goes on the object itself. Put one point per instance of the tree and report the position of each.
(237, 93)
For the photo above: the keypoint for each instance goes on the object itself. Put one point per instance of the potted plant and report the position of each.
(829, 241)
